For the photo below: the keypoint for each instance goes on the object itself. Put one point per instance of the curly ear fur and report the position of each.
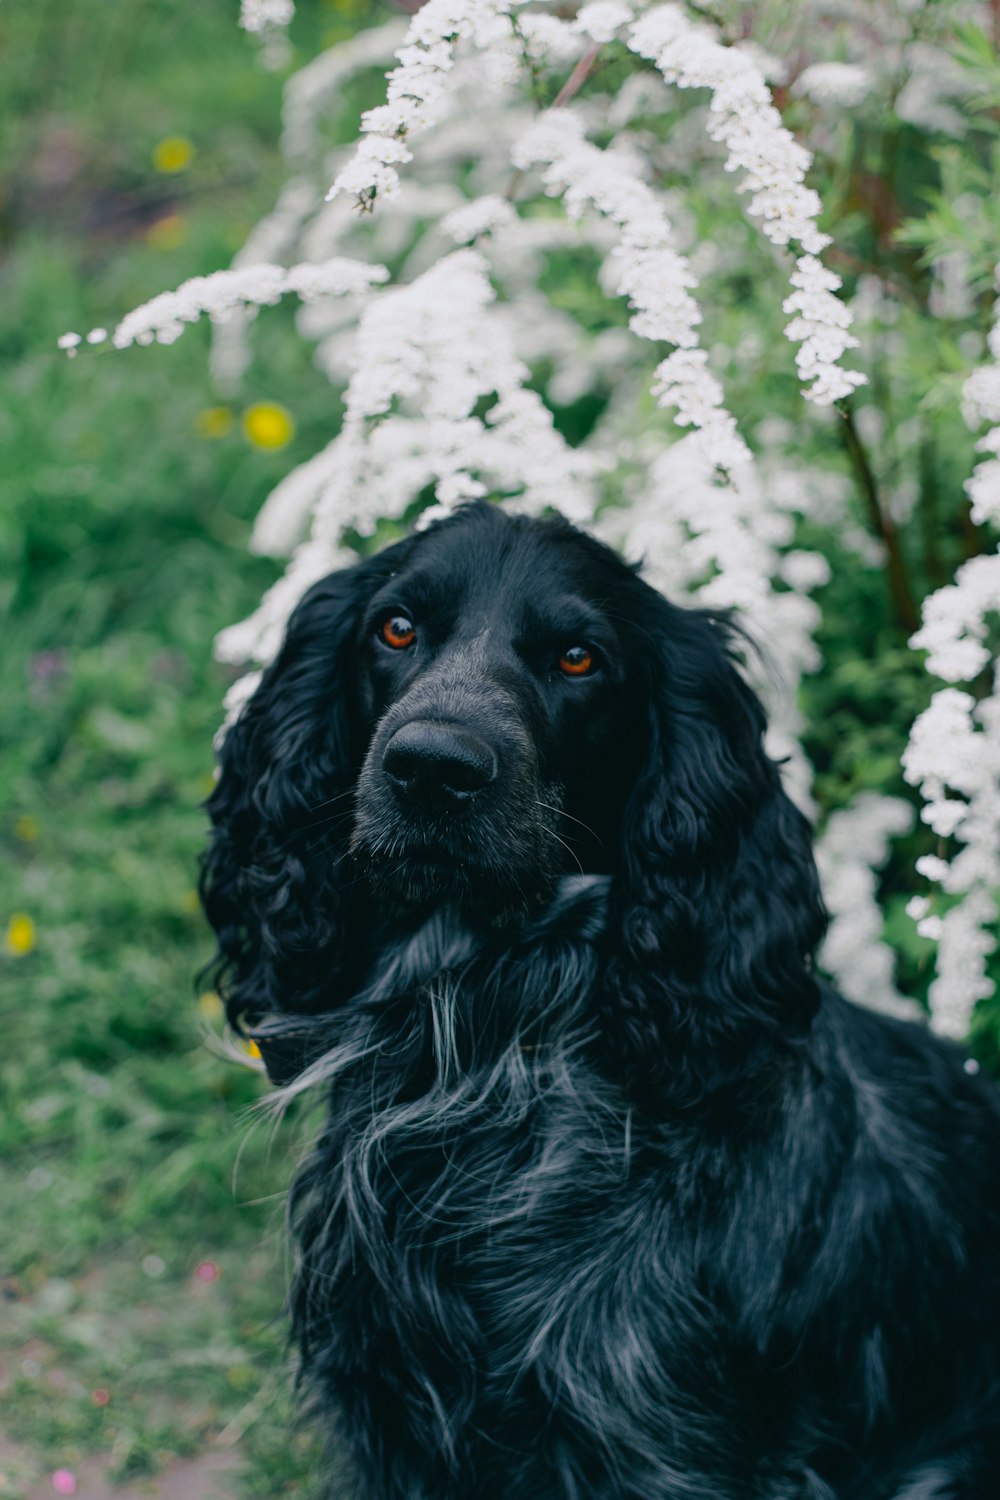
(275, 881)
(717, 908)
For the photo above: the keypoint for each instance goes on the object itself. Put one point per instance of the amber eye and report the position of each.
(398, 632)
(576, 662)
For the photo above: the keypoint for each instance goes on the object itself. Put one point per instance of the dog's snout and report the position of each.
(437, 764)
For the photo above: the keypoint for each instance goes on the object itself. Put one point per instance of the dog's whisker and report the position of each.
(350, 792)
(572, 854)
(550, 807)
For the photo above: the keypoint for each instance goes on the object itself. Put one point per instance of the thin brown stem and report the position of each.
(578, 77)
(570, 88)
(881, 523)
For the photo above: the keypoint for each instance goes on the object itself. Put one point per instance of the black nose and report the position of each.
(438, 764)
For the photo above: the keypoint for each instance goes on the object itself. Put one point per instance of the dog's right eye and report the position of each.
(398, 632)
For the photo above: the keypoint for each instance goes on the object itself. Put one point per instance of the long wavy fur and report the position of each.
(615, 1199)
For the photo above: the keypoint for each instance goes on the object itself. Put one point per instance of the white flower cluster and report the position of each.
(744, 120)
(955, 620)
(854, 845)
(954, 751)
(260, 15)
(603, 19)
(546, 41)
(417, 91)
(644, 266)
(842, 85)
(822, 330)
(164, 317)
(981, 403)
(315, 87)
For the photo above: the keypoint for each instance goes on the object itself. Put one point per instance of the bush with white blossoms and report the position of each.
(715, 281)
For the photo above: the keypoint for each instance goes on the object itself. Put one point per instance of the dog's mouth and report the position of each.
(414, 873)
(417, 876)
(476, 864)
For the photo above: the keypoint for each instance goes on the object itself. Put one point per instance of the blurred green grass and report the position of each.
(127, 1155)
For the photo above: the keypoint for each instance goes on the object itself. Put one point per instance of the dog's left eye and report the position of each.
(576, 662)
(397, 631)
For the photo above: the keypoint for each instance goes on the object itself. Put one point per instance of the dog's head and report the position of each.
(502, 724)
(469, 715)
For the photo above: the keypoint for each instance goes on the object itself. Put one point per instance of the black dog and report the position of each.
(615, 1198)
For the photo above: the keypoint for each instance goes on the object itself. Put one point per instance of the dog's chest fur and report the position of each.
(505, 1281)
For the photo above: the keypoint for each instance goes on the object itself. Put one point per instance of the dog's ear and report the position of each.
(716, 909)
(276, 879)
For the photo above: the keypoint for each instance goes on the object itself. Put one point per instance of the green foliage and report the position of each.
(131, 1152)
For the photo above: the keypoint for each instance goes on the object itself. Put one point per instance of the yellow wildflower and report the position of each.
(167, 233)
(268, 425)
(213, 422)
(26, 828)
(173, 154)
(210, 1007)
(20, 937)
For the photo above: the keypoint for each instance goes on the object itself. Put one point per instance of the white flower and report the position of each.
(258, 15)
(805, 571)
(603, 19)
(955, 621)
(644, 267)
(467, 223)
(417, 92)
(965, 943)
(548, 40)
(259, 638)
(743, 118)
(954, 757)
(235, 701)
(316, 86)
(282, 522)
(981, 396)
(983, 490)
(854, 844)
(841, 84)
(164, 317)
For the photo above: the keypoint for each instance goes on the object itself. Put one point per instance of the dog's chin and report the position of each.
(419, 879)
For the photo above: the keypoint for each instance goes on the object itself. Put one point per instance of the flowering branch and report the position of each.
(163, 318)
(954, 751)
(417, 91)
(744, 119)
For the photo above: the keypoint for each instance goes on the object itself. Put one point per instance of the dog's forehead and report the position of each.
(513, 564)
